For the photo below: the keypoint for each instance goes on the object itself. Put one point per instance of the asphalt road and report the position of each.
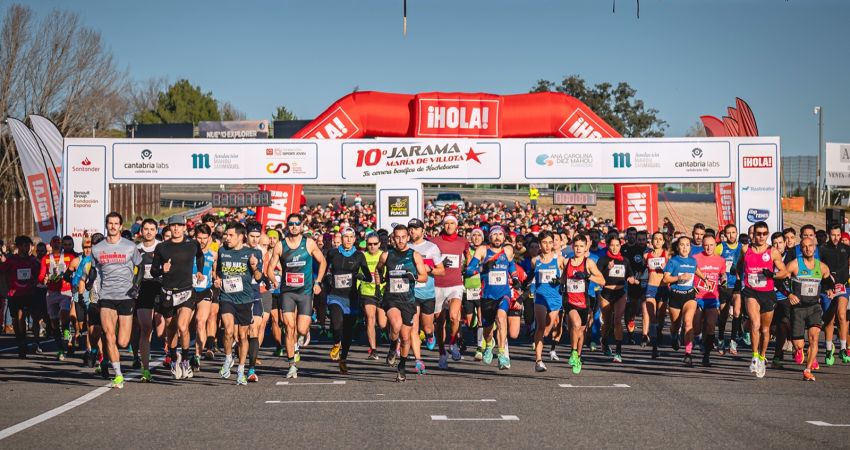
(641, 403)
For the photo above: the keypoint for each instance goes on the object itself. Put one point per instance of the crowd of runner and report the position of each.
(461, 281)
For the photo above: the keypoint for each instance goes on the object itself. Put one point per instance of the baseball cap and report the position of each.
(254, 227)
(348, 230)
(845, 235)
(415, 223)
(176, 220)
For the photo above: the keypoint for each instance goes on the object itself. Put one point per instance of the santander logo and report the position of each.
(86, 162)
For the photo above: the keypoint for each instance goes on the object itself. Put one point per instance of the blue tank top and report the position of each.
(209, 260)
(496, 282)
(543, 274)
(297, 266)
(731, 255)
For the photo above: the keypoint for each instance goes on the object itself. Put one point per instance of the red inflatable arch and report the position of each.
(478, 115)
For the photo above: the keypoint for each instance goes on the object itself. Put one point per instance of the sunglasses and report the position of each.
(293, 224)
(373, 243)
(85, 247)
(762, 233)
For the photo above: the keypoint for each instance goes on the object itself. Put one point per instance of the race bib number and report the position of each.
(809, 288)
(757, 280)
(147, 269)
(497, 278)
(655, 263)
(706, 285)
(686, 283)
(576, 286)
(617, 271)
(399, 286)
(199, 282)
(840, 289)
(547, 275)
(455, 260)
(231, 285)
(342, 281)
(24, 274)
(728, 266)
(473, 294)
(181, 297)
(294, 279)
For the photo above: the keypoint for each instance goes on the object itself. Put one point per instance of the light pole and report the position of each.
(819, 112)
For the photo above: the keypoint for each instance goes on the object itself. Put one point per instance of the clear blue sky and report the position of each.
(685, 57)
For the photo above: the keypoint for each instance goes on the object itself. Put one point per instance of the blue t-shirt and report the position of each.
(678, 265)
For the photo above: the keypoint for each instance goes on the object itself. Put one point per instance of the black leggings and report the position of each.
(342, 326)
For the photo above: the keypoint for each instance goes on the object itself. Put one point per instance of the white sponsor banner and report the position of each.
(398, 203)
(458, 159)
(40, 179)
(837, 164)
(87, 190)
(189, 162)
(758, 186)
(640, 160)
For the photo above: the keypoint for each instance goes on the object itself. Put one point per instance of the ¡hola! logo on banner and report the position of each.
(457, 117)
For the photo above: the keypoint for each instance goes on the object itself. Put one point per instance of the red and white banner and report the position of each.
(724, 197)
(286, 199)
(636, 206)
(457, 115)
(40, 177)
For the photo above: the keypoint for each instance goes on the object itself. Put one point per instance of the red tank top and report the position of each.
(576, 290)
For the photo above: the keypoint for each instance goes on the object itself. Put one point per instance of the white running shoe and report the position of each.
(292, 373)
(176, 370)
(540, 367)
(761, 369)
(186, 370)
(553, 356)
(754, 365)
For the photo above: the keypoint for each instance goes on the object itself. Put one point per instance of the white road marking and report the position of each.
(826, 424)
(614, 386)
(287, 383)
(29, 344)
(505, 418)
(17, 428)
(381, 401)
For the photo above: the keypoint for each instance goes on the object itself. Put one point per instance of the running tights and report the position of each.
(343, 328)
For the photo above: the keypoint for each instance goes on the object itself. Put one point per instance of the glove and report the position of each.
(447, 262)
(410, 276)
(133, 292)
(92, 275)
(659, 270)
(515, 283)
(488, 265)
(554, 282)
(359, 276)
(581, 276)
(67, 275)
(767, 273)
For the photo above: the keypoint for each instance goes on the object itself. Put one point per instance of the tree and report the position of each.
(181, 103)
(229, 112)
(696, 130)
(615, 105)
(60, 69)
(281, 113)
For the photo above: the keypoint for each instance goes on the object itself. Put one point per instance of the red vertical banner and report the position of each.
(724, 197)
(286, 199)
(636, 205)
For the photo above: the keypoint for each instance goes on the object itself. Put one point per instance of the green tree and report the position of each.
(281, 113)
(181, 103)
(615, 105)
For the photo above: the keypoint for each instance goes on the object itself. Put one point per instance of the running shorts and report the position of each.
(294, 302)
(426, 306)
(242, 313)
(407, 310)
(765, 299)
(122, 307)
(583, 313)
(57, 302)
(444, 294)
(678, 299)
(804, 317)
(490, 308)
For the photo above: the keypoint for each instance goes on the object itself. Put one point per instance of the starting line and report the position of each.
(614, 386)
(483, 400)
(826, 424)
(492, 419)
(332, 383)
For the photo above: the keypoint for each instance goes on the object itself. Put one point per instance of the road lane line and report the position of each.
(619, 385)
(289, 402)
(295, 383)
(826, 424)
(502, 418)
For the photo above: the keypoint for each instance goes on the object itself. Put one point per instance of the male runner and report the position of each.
(203, 293)
(835, 254)
(425, 293)
(449, 287)
(53, 267)
(150, 289)
(730, 294)
(370, 294)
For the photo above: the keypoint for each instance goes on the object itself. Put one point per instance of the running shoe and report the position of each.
(372, 354)
(807, 375)
(761, 369)
(252, 376)
(401, 375)
(787, 347)
(706, 360)
(66, 335)
(488, 355)
(754, 363)
(830, 357)
(655, 352)
(166, 361)
(195, 363)
(688, 360)
(479, 354)
(297, 356)
(443, 363)
(553, 356)
(86, 357)
(146, 376)
(186, 370)
(430, 342)
(721, 348)
(104, 369)
(455, 350)
(798, 356)
(117, 382)
(592, 346)
(421, 336)
(606, 350)
(420, 367)
(618, 358)
(573, 358)
(93, 358)
(343, 367)
(504, 361)
(292, 372)
(577, 366)
(776, 363)
(539, 366)
(176, 370)
(845, 356)
(241, 380)
(631, 326)
(644, 340)
(209, 354)
(137, 363)
(747, 338)
(392, 358)
(38, 349)
(224, 372)
(733, 348)
(60, 356)
(335, 352)
(815, 365)
(278, 352)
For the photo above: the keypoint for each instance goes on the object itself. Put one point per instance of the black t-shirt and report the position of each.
(343, 270)
(618, 272)
(182, 256)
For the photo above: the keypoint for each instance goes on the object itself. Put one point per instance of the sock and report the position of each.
(208, 345)
(253, 348)
(453, 339)
(755, 355)
(552, 347)
(116, 367)
(184, 353)
(480, 334)
(402, 364)
(241, 369)
(829, 345)
(619, 347)
(173, 355)
(843, 344)
(228, 358)
(736, 325)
